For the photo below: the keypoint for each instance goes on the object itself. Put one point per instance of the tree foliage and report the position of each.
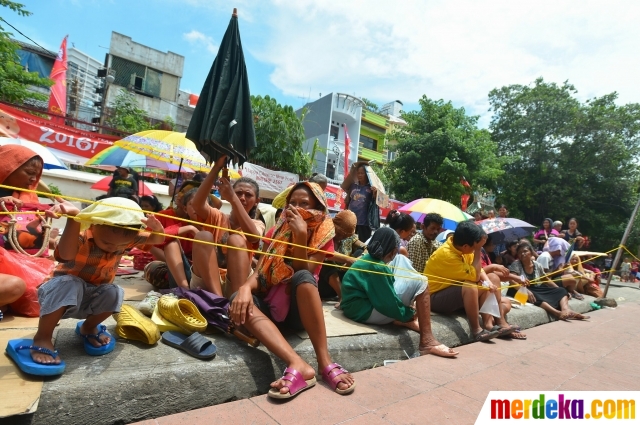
(438, 146)
(280, 135)
(14, 80)
(126, 115)
(564, 158)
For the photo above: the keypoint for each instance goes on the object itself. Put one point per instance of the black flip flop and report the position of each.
(484, 335)
(194, 345)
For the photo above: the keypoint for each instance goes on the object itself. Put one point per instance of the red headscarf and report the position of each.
(13, 157)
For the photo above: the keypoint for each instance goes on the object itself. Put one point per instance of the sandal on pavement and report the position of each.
(485, 335)
(19, 351)
(516, 333)
(439, 350)
(296, 386)
(133, 325)
(503, 331)
(89, 348)
(183, 313)
(194, 345)
(577, 316)
(330, 377)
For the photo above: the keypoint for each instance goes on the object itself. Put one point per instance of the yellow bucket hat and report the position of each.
(111, 211)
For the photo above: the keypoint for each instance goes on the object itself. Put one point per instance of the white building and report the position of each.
(82, 86)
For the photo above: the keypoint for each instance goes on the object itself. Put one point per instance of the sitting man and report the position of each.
(424, 243)
(456, 281)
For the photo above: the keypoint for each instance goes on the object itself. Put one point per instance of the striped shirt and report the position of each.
(92, 264)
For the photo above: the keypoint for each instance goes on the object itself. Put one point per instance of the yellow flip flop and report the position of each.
(131, 324)
(183, 313)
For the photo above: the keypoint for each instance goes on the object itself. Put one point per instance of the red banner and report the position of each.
(335, 197)
(393, 205)
(16, 123)
(58, 97)
(347, 149)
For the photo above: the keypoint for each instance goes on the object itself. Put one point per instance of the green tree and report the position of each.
(280, 135)
(14, 80)
(564, 158)
(370, 105)
(438, 146)
(126, 115)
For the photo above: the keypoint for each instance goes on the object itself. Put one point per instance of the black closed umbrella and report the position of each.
(222, 122)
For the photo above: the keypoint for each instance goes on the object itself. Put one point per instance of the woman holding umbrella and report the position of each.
(286, 290)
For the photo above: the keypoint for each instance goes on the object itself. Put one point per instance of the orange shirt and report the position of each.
(92, 264)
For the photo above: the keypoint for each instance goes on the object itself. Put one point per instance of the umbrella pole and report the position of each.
(174, 189)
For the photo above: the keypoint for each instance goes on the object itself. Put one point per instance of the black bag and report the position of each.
(374, 215)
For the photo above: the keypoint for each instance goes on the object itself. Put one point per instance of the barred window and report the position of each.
(136, 76)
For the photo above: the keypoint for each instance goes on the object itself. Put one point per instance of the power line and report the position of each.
(22, 34)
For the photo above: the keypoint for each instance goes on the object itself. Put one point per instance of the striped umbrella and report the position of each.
(120, 157)
(451, 214)
(165, 146)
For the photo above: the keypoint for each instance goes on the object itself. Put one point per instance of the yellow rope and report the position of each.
(451, 282)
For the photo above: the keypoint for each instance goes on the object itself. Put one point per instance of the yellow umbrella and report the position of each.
(166, 146)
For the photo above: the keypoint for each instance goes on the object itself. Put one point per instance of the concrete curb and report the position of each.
(138, 382)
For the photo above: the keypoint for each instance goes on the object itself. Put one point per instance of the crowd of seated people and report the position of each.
(278, 276)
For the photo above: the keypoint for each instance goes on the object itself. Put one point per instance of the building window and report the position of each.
(391, 155)
(369, 143)
(335, 130)
(136, 76)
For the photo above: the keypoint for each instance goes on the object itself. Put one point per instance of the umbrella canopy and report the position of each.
(121, 157)
(451, 214)
(103, 186)
(165, 146)
(222, 122)
(51, 162)
(506, 229)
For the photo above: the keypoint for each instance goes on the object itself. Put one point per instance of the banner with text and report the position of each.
(271, 182)
(81, 144)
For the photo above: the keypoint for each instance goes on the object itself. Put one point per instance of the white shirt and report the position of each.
(545, 260)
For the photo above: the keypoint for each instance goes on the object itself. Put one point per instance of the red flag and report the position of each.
(464, 200)
(464, 182)
(347, 143)
(58, 97)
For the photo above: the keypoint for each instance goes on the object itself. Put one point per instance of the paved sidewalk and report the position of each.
(600, 354)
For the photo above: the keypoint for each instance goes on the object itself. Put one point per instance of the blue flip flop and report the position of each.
(96, 351)
(20, 352)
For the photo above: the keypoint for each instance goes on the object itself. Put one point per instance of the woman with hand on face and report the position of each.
(284, 289)
(360, 195)
(573, 234)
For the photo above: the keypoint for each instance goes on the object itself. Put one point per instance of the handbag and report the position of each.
(373, 214)
(25, 230)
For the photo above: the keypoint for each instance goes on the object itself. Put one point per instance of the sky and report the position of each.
(298, 50)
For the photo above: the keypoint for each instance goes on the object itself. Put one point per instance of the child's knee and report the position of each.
(111, 297)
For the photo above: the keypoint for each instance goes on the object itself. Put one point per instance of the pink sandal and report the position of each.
(330, 376)
(296, 386)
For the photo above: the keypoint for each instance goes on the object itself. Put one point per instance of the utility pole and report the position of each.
(622, 242)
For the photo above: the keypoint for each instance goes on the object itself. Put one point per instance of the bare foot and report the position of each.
(43, 358)
(413, 325)
(305, 370)
(103, 339)
(437, 349)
